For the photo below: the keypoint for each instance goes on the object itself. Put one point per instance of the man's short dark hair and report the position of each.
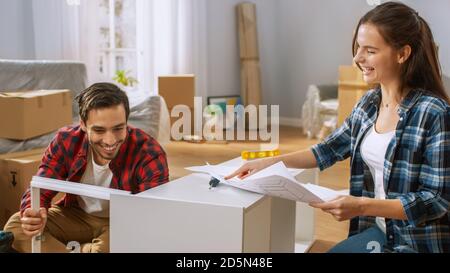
(101, 95)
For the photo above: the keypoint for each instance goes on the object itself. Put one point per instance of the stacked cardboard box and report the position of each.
(178, 90)
(16, 170)
(351, 88)
(25, 115)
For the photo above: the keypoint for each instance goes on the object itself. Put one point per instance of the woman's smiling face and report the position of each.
(377, 59)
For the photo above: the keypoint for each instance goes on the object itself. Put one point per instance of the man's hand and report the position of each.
(342, 208)
(33, 222)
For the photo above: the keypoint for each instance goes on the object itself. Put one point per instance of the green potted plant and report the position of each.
(122, 78)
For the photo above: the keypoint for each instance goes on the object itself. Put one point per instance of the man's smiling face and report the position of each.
(106, 129)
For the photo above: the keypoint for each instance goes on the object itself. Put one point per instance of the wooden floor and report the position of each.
(328, 230)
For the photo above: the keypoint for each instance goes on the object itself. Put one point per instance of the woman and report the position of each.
(398, 139)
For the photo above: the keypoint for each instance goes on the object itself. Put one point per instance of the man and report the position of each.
(101, 151)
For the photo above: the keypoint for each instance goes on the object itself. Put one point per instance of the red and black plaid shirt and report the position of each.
(140, 164)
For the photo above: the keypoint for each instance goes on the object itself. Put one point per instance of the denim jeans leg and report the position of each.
(370, 240)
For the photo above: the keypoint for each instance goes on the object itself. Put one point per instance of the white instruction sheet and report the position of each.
(276, 180)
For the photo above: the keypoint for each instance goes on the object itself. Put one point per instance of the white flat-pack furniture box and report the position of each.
(184, 215)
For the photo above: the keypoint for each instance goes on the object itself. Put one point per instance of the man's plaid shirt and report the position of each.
(416, 169)
(140, 164)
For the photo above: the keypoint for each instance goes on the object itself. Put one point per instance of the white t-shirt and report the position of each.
(373, 152)
(99, 176)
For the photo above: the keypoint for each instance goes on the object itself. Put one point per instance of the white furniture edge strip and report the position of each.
(75, 188)
(38, 183)
(35, 204)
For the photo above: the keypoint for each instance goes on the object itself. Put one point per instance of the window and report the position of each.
(117, 49)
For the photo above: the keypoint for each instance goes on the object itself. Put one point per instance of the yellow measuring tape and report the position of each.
(248, 155)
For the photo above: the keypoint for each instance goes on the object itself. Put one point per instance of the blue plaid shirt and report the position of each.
(416, 169)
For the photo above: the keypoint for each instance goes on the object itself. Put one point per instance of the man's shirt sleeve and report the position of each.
(52, 166)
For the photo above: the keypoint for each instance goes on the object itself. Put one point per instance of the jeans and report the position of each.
(64, 225)
(370, 240)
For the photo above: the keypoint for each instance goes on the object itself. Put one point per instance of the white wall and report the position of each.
(314, 39)
(437, 14)
(301, 42)
(16, 31)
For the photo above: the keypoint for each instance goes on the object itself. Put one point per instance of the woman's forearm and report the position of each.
(392, 208)
(302, 159)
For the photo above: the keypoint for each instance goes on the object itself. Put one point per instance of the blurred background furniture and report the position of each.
(147, 112)
(320, 110)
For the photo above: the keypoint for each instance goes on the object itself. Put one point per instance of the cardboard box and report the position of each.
(25, 115)
(177, 89)
(16, 170)
(351, 89)
(350, 73)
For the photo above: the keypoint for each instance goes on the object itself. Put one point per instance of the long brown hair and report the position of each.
(401, 25)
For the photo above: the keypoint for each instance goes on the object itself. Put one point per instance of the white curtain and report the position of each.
(55, 27)
(171, 38)
(66, 32)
